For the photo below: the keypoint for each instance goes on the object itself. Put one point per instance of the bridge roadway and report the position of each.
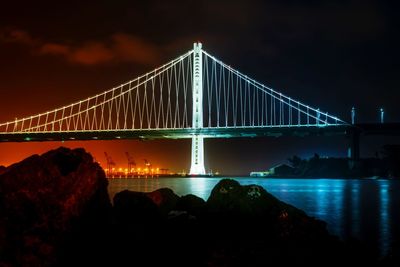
(221, 132)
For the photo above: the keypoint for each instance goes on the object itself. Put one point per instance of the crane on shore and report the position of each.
(147, 163)
(110, 164)
(148, 167)
(131, 162)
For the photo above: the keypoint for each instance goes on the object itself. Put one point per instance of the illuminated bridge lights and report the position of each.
(188, 97)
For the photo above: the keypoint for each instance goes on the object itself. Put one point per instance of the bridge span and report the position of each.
(193, 96)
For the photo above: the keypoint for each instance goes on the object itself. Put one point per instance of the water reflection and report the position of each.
(336, 203)
(355, 209)
(361, 209)
(384, 218)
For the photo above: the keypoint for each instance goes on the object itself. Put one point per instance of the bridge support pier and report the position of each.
(353, 152)
(197, 166)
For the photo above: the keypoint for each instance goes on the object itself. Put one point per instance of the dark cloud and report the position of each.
(132, 48)
(119, 47)
(54, 49)
(10, 35)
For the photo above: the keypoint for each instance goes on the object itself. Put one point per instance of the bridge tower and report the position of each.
(197, 166)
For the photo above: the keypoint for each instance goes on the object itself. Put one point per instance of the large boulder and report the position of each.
(165, 199)
(228, 197)
(142, 237)
(2, 169)
(132, 208)
(192, 204)
(251, 227)
(46, 201)
(135, 208)
(230, 201)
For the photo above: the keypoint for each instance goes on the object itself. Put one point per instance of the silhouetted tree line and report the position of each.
(386, 163)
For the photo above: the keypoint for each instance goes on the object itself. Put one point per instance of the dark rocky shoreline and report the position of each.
(55, 211)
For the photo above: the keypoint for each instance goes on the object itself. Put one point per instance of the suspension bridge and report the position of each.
(194, 96)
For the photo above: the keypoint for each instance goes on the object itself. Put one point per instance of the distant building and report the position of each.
(259, 174)
(281, 170)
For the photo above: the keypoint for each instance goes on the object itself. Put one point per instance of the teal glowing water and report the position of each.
(364, 209)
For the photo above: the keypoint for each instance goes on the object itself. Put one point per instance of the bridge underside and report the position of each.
(177, 133)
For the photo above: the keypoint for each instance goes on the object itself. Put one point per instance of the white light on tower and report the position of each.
(197, 166)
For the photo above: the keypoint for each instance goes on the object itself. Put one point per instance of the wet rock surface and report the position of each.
(164, 198)
(45, 200)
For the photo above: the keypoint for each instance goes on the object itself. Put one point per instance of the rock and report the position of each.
(165, 199)
(141, 231)
(2, 169)
(252, 227)
(237, 226)
(48, 200)
(253, 204)
(228, 197)
(181, 216)
(194, 205)
(135, 208)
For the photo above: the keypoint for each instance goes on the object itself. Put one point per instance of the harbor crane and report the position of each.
(131, 162)
(147, 164)
(110, 164)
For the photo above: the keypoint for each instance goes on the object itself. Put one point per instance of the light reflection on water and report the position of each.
(384, 218)
(355, 208)
(363, 209)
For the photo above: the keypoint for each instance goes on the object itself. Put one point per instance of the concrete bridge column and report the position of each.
(353, 152)
(197, 166)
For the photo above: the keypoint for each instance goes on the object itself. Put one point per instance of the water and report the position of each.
(368, 210)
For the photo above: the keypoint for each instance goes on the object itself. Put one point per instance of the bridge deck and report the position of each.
(229, 132)
(176, 133)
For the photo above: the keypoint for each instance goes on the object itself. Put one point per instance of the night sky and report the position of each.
(329, 54)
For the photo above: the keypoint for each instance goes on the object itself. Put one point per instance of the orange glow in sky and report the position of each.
(160, 153)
